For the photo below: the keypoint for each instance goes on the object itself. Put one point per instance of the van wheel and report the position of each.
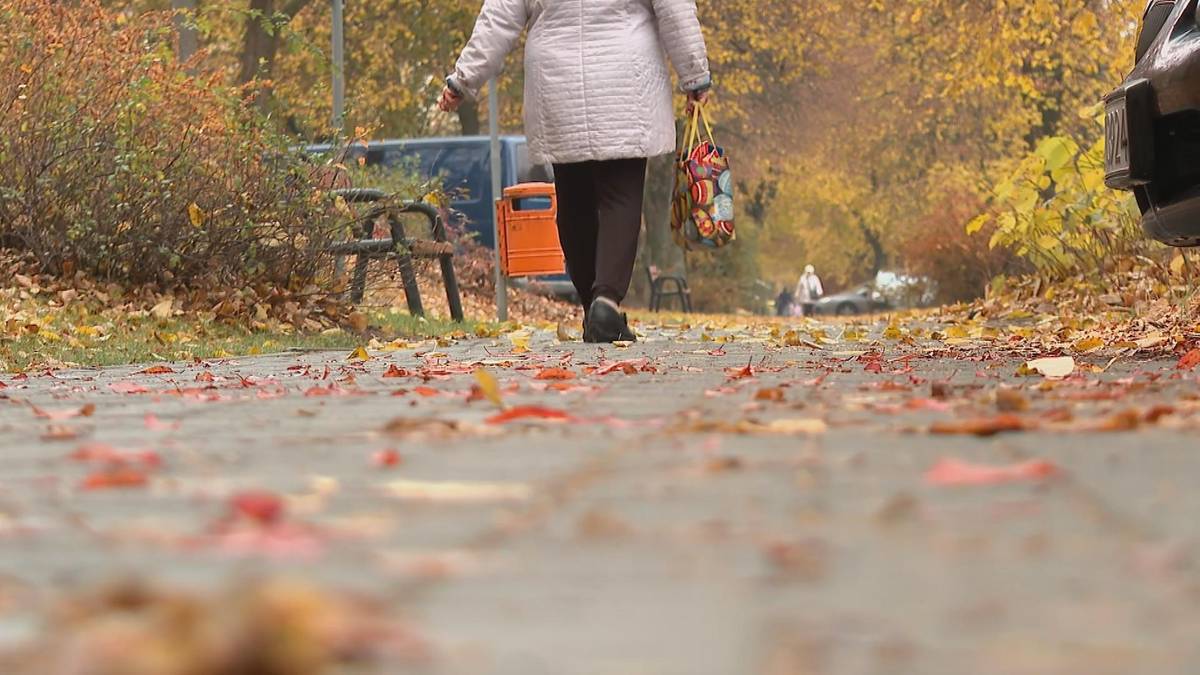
(847, 309)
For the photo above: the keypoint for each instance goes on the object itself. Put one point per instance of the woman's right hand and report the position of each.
(697, 98)
(450, 100)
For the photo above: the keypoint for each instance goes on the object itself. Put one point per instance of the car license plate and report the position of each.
(1116, 139)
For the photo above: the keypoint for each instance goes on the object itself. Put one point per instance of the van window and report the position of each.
(419, 160)
(464, 171)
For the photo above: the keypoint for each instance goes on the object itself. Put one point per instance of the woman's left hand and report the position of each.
(449, 100)
(697, 98)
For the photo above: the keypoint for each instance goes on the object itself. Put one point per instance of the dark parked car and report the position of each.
(1152, 124)
(464, 165)
(865, 299)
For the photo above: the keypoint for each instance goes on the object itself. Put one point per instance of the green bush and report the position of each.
(117, 161)
(1053, 209)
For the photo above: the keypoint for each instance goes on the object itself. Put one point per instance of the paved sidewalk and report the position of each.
(691, 516)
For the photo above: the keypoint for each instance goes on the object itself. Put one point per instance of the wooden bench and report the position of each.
(398, 246)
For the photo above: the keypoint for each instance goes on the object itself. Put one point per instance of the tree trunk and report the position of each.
(877, 251)
(188, 38)
(468, 118)
(260, 42)
(657, 248)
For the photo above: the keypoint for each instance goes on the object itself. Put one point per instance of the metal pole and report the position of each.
(497, 193)
(339, 65)
(189, 41)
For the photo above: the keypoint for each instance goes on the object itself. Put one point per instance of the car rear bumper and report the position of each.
(1175, 223)
(1154, 156)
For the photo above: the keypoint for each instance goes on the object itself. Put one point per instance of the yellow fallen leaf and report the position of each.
(458, 492)
(1089, 345)
(957, 333)
(801, 426)
(520, 341)
(1178, 264)
(489, 386)
(1055, 368)
(357, 321)
(163, 309)
(563, 334)
(360, 354)
(196, 215)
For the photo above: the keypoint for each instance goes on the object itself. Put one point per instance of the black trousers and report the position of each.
(599, 221)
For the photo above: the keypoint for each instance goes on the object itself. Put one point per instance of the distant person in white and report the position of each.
(808, 291)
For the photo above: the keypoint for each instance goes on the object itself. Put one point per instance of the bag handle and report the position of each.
(692, 132)
(707, 126)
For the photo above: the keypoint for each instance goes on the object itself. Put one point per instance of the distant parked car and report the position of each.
(464, 165)
(1152, 124)
(904, 292)
(865, 299)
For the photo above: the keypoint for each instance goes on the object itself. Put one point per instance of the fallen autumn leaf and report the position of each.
(954, 472)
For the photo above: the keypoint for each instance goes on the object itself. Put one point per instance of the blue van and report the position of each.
(464, 164)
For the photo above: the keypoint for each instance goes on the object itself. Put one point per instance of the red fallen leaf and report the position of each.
(283, 540)
(819, 380)
(530, 412)
(984, 426)
(627, 367)
(118, 476)
(154, 424)
(386, 459)
(264, 508)
(565, 388)
(954, 472)
(59, 432)
(1158, 412)
(427, 392)
(396, 371)
(106, 454)
(206, 376)
(1190, 360)
(741, 373)
(126, 387)
(58, 415)
(888, 385)
(332, 390)
(555, 374)
(774, 395)
(927, 404)
(156, 370)
(3, 386)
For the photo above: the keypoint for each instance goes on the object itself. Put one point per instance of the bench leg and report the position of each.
(453, 298)
(358, 287)
(412, 292)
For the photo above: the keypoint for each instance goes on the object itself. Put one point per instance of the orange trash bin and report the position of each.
(529, 244)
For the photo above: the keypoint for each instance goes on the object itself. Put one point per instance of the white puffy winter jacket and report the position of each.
(596, 79)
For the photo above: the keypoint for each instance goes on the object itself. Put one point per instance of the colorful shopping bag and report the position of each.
(702, 206)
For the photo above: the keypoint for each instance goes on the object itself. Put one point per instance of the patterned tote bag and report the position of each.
(702, 206)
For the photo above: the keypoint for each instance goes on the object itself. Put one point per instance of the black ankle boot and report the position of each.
(605, 324)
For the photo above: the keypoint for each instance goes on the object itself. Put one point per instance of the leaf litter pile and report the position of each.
(378, 414)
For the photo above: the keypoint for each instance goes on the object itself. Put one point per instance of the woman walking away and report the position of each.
(808, 291)
(598, 103)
